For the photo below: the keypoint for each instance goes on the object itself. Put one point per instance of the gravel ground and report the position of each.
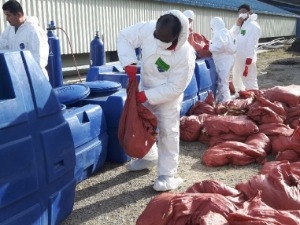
(114, 196)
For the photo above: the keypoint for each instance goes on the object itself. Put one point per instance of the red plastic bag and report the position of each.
(198, 41)
(137, 125)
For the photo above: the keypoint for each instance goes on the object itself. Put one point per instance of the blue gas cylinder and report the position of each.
(54, 66)
(97, 53)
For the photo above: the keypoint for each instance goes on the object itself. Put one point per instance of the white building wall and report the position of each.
(80, 19)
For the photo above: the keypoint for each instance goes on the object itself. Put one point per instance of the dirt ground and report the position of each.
(115, 196)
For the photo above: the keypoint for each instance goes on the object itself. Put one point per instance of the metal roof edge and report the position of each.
(283, 12)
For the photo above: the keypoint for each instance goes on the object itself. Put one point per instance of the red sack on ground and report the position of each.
(255, 211)
(290, 95)
(137, 125)
(185, 208)
(278, 183)
(201, 107)
(190, 128)
(283, 142)
(233, 152)
(289, 155)
(239, 125)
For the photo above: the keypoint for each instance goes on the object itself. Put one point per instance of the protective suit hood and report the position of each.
(183, 36)
(217, 24)
(32, 20)
(253, 17)
(189, 14)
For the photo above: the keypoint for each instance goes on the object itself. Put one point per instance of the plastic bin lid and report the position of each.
(71, 93)
(103, 86)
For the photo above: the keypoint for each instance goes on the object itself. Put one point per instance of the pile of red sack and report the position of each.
(247, 129)
(243, 131)
(272, 197)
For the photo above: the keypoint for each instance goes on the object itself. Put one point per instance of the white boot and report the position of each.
(166, 183)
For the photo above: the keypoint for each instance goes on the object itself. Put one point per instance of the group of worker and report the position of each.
(233, 50)
(167, 67)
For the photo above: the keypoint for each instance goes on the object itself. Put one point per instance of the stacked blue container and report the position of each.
(94, 71)
(206, 77)
(37, 184)
(210, 64)
(114, 73)
(112, 106)
(190, 96)
(89, 132)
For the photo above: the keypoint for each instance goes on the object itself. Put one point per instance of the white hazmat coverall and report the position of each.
(163, 87)
(29, 36)
(246, 41)
(222, 48)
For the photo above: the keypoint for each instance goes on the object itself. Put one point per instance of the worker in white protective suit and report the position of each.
(247, 32)
(190, 15)
(24, 33)
(167, 66)
(222, 46)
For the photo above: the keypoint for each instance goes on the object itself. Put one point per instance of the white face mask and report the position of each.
(163, 45)
(243, 15)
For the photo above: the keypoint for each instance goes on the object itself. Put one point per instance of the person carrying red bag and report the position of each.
(167, 67)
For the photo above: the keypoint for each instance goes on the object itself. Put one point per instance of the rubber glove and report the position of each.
(141, 97)
(248, 61)
(245, 73)
(206, 47)
(131, 71)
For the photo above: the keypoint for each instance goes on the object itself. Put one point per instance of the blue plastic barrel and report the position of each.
(54, 66)
(97, 53)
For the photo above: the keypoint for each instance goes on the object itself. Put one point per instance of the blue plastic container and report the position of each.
(190, 96)
(112, 107)
(89, 132)
(103, 87)
(120, 77)
(113, 72)
(202, 74)
(187, 104)
(37, 184)
(191, 90)
(71, 93)
(93, 72)
(203, 95)
(210, 64)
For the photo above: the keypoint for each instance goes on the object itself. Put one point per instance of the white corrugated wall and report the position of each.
(81, 18)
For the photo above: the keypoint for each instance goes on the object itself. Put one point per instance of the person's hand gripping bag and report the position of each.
(137, 126)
